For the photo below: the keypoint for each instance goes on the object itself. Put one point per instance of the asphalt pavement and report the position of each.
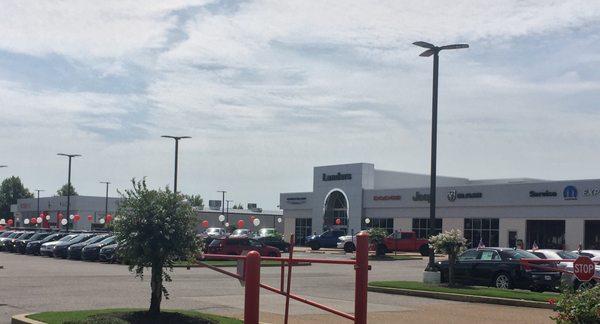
(33, 284)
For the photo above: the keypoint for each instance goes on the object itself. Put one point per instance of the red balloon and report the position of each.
(109, 218)
(240, 223)
(33, 220)
(338, 221)
(77, 218)
(90, 217)
(205, 223)
(9, 222)
(42, 215)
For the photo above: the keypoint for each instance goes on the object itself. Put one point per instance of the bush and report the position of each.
(581, 306)
(450, 243)
(377, 237)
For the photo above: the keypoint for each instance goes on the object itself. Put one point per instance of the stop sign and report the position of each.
(584, 268)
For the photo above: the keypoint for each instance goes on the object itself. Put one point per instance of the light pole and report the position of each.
(105, 200)
(223, 205)
(176, 138)
(227, 212)
(434, 50)
(70, 156)
(38, 203)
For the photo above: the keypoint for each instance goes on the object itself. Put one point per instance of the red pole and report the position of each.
(362, 278)
(252, 293)
(289, 281)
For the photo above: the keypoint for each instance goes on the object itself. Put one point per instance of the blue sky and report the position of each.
(269, 89)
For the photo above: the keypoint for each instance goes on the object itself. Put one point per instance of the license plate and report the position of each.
(548, 277)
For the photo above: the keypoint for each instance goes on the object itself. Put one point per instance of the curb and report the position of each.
(22, 319)
(298, 264)
(461, 298)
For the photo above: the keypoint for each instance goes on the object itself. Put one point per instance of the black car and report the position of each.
(9, 245)
(500, 268)
(275, 241)
(60, 250)
(74, 251)
(109, 253)
(21, 244)
(8, 235)
(33, 247)
(92, 251)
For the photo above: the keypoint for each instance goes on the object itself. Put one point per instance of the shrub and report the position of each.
(581, 306)
(376, 237)
(451, 243)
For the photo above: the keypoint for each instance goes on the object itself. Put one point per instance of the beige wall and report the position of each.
(453, 223)
(574, 232)
(289, 227)
(511, 224)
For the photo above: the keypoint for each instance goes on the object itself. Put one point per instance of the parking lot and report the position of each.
(32, 284)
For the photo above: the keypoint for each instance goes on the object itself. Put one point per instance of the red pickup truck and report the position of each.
(406, 242)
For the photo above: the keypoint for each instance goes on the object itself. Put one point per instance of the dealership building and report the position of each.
(499, 212)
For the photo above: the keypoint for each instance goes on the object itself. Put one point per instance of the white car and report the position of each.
(266, 232)
(567, 278)
(48, 248)
(215, 232)
(348, 242)
(240, 232)
(593, 254)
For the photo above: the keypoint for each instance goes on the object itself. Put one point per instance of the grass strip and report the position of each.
(88, 315)
(470, 290)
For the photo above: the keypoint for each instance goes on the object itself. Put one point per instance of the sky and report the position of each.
(269, 89)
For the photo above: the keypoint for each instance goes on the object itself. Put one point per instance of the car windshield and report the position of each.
(26, 236)
(96, 239)
(567, 255)
(213, 230)
(240, 231)
(68, 238)
(14, 234)
(108, 240)
(215, 243)
(50, 238)
(266, 231)
(38, 236)
(5, 234)
(519, 254)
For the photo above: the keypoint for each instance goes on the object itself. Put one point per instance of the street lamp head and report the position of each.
(454, 46)
(432, 49)
(428, 52)
(175, 137)
(424, 44)
(3, 166)
(68, 155)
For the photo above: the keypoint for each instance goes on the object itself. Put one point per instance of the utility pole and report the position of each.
(223, 205)
(70, 156)
(38, 204)
(106, 199)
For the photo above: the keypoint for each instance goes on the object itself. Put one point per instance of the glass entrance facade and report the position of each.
(592, 235)
(546, 234)
(303, 229)
(482, 229)
(336, 212)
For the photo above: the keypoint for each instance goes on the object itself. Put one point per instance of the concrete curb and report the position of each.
(22, 319)
(461, 298)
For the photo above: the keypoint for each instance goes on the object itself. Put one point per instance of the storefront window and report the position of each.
(303, 229)
(421, 227)
(592, 235)
(546, 234)
(386, 223)
(482, 229)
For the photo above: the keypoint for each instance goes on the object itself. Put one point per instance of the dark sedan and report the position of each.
(500, 268)
(61, 249)
(33, 247)
(92, 251)
(21, 244)
(74, 251)
(9, 245)
(109, 253)
(275, 241)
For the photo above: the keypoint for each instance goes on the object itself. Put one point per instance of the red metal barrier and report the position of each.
(542, 264)
(251, 277)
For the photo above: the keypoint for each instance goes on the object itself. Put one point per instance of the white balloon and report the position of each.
(26, 221)
(47, 217)
(39, 220)
(367, 221)
(279, 220)
(226, 224)
(102, 220)
(221, 218)
(71, 216)
(256, 222)
(2, 221)
(64, 221)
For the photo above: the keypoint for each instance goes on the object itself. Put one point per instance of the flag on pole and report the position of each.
(480, 245)
(534, 246)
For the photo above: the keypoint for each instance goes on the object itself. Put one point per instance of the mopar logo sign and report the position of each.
(296, 200)
(453, 195)
(570, 193)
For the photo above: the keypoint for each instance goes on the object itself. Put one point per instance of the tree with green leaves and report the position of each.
(11, 190)
(195, 200)
(451, 243)
(63, 191)
(154, 229)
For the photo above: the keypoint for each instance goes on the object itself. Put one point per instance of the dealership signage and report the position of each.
(570, 193)
(387, 197)
(592, 192)
(453, 195)
(537, 194)
(420, 197)
(336, 177)
(296, 200)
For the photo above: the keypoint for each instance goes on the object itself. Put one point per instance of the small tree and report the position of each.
(63, 190)
(377, 236)
(12, 189)
(450, 243)
(195, 200)
(154, 229)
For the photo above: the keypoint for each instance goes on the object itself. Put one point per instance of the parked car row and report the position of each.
(82, 246)
(218, 241)
(569, 256)
(507, 268)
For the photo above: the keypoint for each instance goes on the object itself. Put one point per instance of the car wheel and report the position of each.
(503, 281)
(424, 250)
(315, 246)
(585, 285)
(349, 247)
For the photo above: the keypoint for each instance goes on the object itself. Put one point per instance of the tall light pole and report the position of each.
(223, 205)
(176, 138)
(14, 222)
(434, 50)
(38, 203)
(227, 212)
(106, 200)
(70, 156)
